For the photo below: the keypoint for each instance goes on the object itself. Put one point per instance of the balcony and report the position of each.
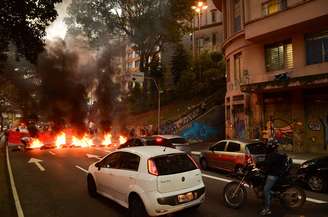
(286, 18)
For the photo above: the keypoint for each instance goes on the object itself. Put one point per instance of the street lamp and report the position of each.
(159, 103)
(198, 8)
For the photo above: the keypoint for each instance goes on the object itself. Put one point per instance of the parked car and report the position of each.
(232, 155)
(178, 142)
(146, 141)
(148, 180)
(314, 173)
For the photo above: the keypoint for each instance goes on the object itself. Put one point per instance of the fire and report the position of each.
(35, 143)
(60, 140)
(122, 140)
(84, 142)
(107, 139)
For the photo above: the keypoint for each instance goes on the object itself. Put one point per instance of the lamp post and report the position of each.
(158, 102)
(198, 8)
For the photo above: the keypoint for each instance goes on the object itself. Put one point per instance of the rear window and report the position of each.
(256, 148)
(178, 140)
(173, 163)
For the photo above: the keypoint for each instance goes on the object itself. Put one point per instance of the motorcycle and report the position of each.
(290, 195)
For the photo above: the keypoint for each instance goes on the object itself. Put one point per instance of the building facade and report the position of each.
(207, 28)
(277, 71)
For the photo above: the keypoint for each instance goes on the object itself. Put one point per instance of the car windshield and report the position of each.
(256, 148)
(178, 141)
(173, 163)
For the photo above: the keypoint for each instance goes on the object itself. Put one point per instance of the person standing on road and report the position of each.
(274, 166)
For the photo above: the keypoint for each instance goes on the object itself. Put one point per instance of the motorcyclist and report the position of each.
(274, 166)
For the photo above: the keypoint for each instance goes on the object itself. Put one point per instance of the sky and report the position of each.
(58, 28)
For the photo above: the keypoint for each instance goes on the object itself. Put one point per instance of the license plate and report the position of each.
(185, 197)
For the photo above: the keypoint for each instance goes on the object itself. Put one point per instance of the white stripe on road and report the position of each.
(19, 209)
(229, 180)
(80, 168)
(52, 153)
(295, 161)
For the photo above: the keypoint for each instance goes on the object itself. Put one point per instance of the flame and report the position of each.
(84, 142)
(36, 143)
(122, 140)
(107, 139)
(60, 140)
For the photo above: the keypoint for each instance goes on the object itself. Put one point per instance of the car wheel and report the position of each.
(203, 164)
(316, 183)
(92, 189)
(136, 207)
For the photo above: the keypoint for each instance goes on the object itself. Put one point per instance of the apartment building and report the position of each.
(277, 71)
(207, 27)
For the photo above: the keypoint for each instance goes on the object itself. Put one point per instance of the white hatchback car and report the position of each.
(148, 180)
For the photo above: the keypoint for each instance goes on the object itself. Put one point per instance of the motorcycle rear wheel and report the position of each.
(293, 197)
(234, 195)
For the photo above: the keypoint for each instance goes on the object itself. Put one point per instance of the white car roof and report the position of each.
(151, 151)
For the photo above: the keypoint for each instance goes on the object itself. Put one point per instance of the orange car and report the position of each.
(232, 155)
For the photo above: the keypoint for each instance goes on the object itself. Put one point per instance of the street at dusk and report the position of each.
(173, 108)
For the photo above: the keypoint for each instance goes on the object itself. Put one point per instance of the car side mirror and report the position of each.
(98, 165)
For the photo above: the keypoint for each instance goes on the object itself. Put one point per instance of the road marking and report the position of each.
(51, 152)
(80, 168)
(19, 209)
(93, 156)
(37, 163)
(229, 180)
(195, 152)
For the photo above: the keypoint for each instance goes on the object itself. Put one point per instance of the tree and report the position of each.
(180, 62)
(147, 24)
(23, 23)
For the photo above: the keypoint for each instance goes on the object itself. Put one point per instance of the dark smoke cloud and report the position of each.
(63, 93)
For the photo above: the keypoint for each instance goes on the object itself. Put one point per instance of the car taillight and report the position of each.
(159, 140)
(152, 169)
(192, 159)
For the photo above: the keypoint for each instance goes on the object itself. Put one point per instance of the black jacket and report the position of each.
(275, 164)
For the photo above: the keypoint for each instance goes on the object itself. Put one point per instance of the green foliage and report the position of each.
(147, 24)
(23, 23)
(180, 62)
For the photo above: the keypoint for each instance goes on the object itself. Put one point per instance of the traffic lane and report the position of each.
(60, 190)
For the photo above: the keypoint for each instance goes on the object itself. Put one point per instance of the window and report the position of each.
(129, 161)
(316, 48)
(228, 70)
(233, 147)
(173, 163)
(279, 56)
(228, 113)
(219, 146)
(111, 161)
(236, 15)
(137, 64)
(273, 6)
(237, 68)
(214, 39)
(214, 16)
(256, 148)
(130, 65)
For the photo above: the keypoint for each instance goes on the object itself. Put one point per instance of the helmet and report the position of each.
(272, 144)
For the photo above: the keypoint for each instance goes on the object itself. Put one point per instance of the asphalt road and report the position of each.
(56, 187)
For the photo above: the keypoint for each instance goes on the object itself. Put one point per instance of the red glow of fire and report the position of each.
(107, 139)
(35, 143)
(60, 140)
(122, 140)
(84, 142)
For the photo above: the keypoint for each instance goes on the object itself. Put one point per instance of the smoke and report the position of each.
(63, 92)
(78, 84)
